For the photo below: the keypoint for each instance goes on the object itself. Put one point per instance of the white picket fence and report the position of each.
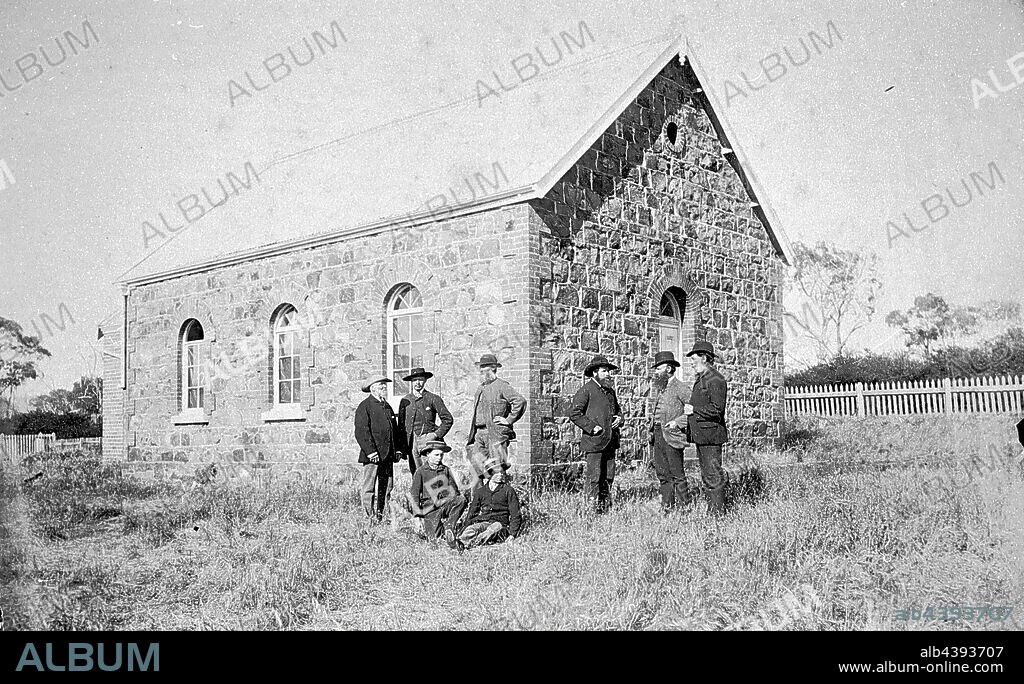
(13, 448)
(1003, 394)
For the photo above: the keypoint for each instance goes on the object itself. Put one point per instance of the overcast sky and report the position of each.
(857, 136)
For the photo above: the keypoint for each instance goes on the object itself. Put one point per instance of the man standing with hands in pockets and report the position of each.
(705, 417)
(596, 411)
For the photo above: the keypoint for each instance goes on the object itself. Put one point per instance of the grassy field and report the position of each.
(858, 519)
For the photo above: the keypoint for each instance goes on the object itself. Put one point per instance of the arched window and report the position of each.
(287, 383)
(670, 322)
(193, 363)
(405, 336)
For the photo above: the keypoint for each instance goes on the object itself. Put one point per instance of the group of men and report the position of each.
(417, 432)
(680, 416)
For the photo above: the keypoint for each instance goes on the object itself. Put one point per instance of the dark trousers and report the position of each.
(668, 463)
(600, 473)
(447, 514)
(415, 459)
(711, 474)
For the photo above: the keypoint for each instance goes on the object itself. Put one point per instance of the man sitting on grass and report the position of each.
(494, 513)
(434, 494)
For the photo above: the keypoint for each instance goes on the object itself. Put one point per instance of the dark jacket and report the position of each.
(377, 431)
(501, 505)
(496, 398)
(595, 405)
(430, 487)
(707, 422)
(418, 417)
(668, 406)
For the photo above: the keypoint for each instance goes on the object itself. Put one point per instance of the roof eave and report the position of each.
(486, 203)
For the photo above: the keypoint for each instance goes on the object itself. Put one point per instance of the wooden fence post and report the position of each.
(860, 398)
(947, 386)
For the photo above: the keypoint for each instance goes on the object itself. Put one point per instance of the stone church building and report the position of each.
(609, 214)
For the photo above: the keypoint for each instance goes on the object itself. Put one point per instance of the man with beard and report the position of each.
(595, 410)
(380, 445)
(418, 416)
(705, 413)
(496, 408)
(668, 433)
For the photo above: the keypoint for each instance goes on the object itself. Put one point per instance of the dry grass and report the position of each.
(837, 545)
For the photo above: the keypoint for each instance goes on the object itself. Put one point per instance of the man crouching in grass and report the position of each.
(434, 494)
(494, 514)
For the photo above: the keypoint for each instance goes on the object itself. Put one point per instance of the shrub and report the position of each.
(64, 425)
(1002, 355)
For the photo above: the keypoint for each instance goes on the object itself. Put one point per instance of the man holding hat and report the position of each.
(380, 445)
(668, 433)
(496, 408)
(418, 414)
(595, 410)
(435, 494)
(705, 414)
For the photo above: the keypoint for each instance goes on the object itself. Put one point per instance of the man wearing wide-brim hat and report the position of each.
(668, 431)
(596, 411)
(380, 445)
(434, 493)
(496, 408)
(495, 513)
(419, 413)
(705, 413)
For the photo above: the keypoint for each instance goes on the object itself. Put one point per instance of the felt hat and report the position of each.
(374, 381)
(702, 346)
(665, 357)
(492, 463)
(598, 361)
(418, 373)
(434, 444)
(488, 360)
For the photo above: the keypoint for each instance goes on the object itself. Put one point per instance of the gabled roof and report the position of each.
(510, 146)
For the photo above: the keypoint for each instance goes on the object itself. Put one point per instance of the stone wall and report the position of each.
(636, 215)
(543, 285)
(471, 272)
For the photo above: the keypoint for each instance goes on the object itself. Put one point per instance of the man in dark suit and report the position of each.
(418, 416)
(705, 415)
(668, 431)
(495, 513)
(595, 410)
(380, 445)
